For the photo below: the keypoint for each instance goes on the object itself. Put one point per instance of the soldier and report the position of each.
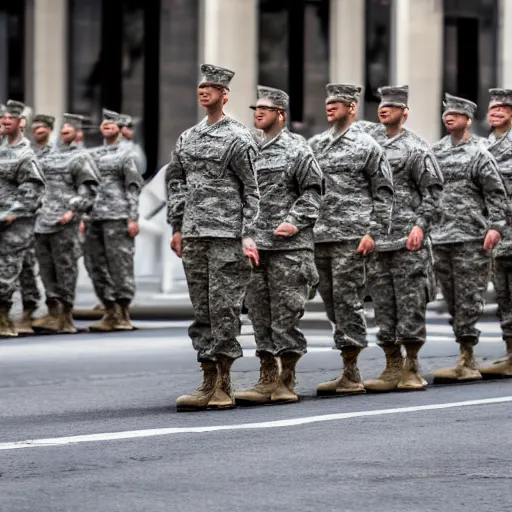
(500, 147)
(127, 126)
(290, 184)
(112, 226)
(356, 209)
(213, 203)
(400, 268)
(21, 189)
(42, 127)
(71, 190)
(474, 209)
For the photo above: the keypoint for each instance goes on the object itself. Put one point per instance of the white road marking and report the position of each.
(137, 434)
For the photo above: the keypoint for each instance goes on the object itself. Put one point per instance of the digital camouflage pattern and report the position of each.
(290, 186)
(463, 271)
(140, 157)
(502, 279)
(342, 280)
(211, 182)
(276, 297)
(108, 256)
(58, 254)
(217, 275)
(30, 294)
(358, 186)
(474, 197)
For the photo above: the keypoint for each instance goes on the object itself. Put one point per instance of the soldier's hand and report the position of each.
(286, 229)
(415, 239)
(133, 228)
(251, 251)
(66, 218)
(82, 227)
(176, 243)
(492, 239)
(366, 246)
(10, 219)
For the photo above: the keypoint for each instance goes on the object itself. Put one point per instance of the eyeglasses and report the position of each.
(268, 109)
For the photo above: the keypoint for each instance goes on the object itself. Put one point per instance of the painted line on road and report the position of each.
(137, 434)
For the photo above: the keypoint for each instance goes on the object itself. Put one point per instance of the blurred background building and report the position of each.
(141, 57)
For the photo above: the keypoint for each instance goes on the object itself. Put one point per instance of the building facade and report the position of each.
(142, 57)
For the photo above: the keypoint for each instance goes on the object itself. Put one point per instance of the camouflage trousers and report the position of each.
(342, 281)
(217, 274)
(11, 265)
(27, 282)
(58, 255)
(399, 286)
(502, 278)
(276, 298)
(463, 271)
(108, 253)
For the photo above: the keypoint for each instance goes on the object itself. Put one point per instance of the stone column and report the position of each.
(347, 43)
(417, 60)
(505, 45)
(229, 38)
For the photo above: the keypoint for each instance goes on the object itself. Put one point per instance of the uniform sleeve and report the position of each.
(175, 179)
(85, 177)
(133, 185)
(242, 165)
(31, 187)
(380, 181)
(429, 182)
(493, 191)
(308, 176)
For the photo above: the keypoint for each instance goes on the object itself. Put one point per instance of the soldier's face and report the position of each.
(390, 115)
(209, 95)
(456, 122)
(499, 116)
(10, 124)
(266, 115)
(41, 132)
(337, 112)
(109, 129)
(127, 132)
(68, 134)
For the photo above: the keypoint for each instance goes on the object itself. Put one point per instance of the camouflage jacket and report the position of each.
(290, 184)
(501, 150)
(140, 157)
(22, 187)
(72, 184)
(417, 183)
(211, 183)
(120, 185)
(358, 186)
(474, 197)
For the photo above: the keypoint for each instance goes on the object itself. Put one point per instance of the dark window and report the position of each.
(378, 48)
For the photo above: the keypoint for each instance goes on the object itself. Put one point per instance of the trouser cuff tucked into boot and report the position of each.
(223, 397)
(269, 375)
(411, 379)
(388, 380)
(51, 321)
(67, 326)
(285, 390)
(198, 400)
(465, 369)
(123, 312)
(110, 319)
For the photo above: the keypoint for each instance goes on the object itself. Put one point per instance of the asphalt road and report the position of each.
(446, 449)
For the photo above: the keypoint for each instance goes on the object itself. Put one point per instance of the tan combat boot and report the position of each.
(500, 368)
(223, 397)
(411, 379)
(7, 329)
(199, 399)
(109, 321)
(262, 391)
(350, 380)
(123, 315)
(464, 371)
(285, 390)
(51, 321)
(24, 324)
(388, 380)
(66, 325)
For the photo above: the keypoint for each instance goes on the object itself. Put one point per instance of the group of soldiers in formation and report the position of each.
(58, 202)
(265, 218)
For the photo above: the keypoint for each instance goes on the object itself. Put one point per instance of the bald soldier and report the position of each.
(355, 211)
(473, 217)
(290, 185)
(213, 205)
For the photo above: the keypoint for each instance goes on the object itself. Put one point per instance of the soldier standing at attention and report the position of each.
(21, 190)
(213, 204)
(290, 185)
(355, 211)
(71, 189)
(473, 216)
(112, 226)
(400, 269)
(500, 147)
(127, 126)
